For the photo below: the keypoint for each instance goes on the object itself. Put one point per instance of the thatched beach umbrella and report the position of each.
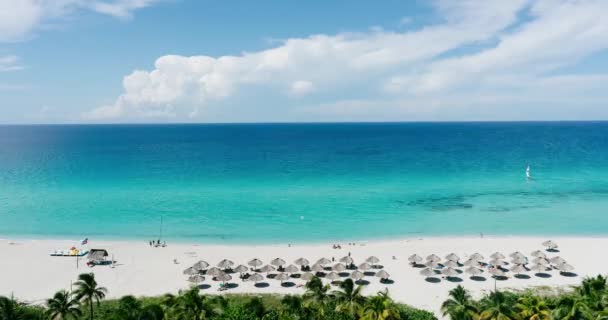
(496, 262)
(357, 275)
(201, 265)
(538, 267)
(518, 268)
(291, 269)
(557, 260)
(452, 257)
(550, 244)
(223, 277)
(519, 260)
(496, 272)
(302, 262)
(282, 277)
(450, 272)
(241, 269)
(213, 271)
(317, 268)
(476, 256)
(471, 263)
(433, 257)
(255, 263)
(415, 259)
(323, 261)
(338, 267)
(432, 264)
(225, 264)
(190, 271)
(365, 266)
(428, 272)
(307, 276)
(256, 277)
(267, 269)
(382, 274)
(473, 271)
(332, 276)
(197, 278)
(564, 267)
(516, 255)
(277, 262)
(451, 264)
(538, 254)
(346, 260)
(540, 260)
(497, 255)
(373, 260)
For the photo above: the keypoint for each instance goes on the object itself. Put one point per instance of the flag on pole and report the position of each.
(84, 241)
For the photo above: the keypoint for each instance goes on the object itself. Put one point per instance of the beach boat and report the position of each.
(69, 253)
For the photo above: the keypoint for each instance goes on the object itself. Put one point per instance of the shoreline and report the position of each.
(142, 270)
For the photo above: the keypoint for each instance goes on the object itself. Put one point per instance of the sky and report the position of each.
(203, 61)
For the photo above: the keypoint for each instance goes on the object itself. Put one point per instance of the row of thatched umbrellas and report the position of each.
(540, 263)
(221, 271)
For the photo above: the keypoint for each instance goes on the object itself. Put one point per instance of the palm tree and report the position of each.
(87, 291)
(349, 299)
(593, 291)
(63, 307)
(191, 305)
(459, 306)
(497, 307)
(531, 307)
(129, 308)
(316, 291)
(571, 307)
(9, 309)
(379, 307)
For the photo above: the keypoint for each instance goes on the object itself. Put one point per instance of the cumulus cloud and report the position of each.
(19, 18)
(479, 51)
(10, 63)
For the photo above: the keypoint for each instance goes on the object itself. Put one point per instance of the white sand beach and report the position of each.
(29, 273)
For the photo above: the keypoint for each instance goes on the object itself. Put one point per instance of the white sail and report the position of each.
(528, 172)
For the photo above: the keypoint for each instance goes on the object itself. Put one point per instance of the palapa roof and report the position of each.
(97, 254)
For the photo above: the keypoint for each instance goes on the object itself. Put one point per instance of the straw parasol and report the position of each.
(450, 272)
(346, 260)
(277, 262)
(372, 260)
(473, 271)
(550, 244)
(516, 255)
(382, 274)
(432, 264)
(433, 257)
(540, 260)
(564, 267)
(471, 262)
(256, 277)
(225, 264)
(476, 256)
(241, 268)
(190, 271)
(538, 267)
(451, 264)
(332, 276)
(538, 254)
(496, 272)
(317, 268)
(196, 278)
(338, 267)
(307, 276)
(323, 261)
(518, 268)
(519, 260)
(452, 257)
(282, 277)
(365, 266)
(201, 265)
(267, 268)
(255, 263)
(414, 258)
(427, 272)
(213, 271)
(497, 262)
(292, 269)
(302, 262)
(223, 277)
(357, 275)
(557, 260)
(497, 255)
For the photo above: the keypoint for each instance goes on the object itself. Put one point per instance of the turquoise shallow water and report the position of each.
(303, 182)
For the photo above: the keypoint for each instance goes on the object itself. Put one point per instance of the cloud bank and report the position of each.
(482, 60)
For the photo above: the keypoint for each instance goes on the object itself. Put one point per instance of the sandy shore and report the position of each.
(28, 272)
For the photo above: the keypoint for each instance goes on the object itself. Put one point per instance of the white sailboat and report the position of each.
(528, 177)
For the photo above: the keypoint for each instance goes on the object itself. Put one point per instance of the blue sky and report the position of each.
(114, 61)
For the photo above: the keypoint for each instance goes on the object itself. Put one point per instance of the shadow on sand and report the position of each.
(478, 278)
(262, 285)
(432, 280)
(543, 275)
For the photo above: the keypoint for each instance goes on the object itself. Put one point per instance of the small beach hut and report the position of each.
(550, 244)
(338, 267)
(97, 256)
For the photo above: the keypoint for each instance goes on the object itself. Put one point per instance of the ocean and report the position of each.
(271, 183)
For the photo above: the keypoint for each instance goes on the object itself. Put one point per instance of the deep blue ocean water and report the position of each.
(239, 183)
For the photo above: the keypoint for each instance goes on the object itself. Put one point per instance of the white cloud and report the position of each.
(20, 18)
(481, 52)
(10, 63)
